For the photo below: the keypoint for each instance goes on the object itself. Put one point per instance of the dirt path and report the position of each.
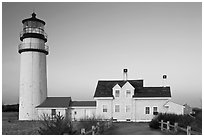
(132, 129)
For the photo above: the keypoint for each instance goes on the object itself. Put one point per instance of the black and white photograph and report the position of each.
(101, 68)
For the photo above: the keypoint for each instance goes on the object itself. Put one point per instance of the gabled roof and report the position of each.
(152, 92)
(104, 87)
(83, 104)
(170, 103)
(55, 102)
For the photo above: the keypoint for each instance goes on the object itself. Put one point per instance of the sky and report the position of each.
(96, 41)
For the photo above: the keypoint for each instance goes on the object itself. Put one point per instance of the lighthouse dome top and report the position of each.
(33, 18)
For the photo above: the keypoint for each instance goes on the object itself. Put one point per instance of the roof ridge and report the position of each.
(58, 97)
(56, 102)
(156, 87)
(122, 80)
(82, 100)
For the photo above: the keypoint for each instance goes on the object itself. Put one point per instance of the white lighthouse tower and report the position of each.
(33, 77)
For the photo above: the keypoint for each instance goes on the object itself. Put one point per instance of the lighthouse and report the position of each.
(33, 77)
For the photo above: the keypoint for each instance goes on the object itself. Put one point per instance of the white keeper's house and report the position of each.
(121, 100)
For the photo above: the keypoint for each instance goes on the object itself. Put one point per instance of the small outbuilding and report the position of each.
(174, 108)
(53, 106)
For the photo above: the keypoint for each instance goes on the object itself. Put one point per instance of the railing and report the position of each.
(33, 30)
(95, 130)
(37, 46)
(165, 126)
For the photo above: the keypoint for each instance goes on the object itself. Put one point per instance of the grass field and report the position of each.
(11, 125)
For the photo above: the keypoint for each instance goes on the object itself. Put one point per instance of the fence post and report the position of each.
(175, 127)
(168, 128)
(83, 131)
(93, 130)
(162, 125)
(188, 130)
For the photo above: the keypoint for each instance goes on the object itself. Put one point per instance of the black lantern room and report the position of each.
(33, 28)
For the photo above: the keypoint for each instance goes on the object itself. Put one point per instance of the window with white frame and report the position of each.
(167, 107)
(117, 93)
(105, 109)
(147, 110)
(127, 108)
(155, 110)
(128, 93)
(117, 108)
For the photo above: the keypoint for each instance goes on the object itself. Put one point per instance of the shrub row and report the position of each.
(59, 125)
(10, 108)
(182, 120)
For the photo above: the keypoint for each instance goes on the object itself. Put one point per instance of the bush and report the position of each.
(88, 122)
(197, 124)
(182, 120)
(154, 124)
(56, 126)
(185, 120)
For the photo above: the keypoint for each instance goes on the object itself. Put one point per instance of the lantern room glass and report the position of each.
(33, 27)
(33, 24)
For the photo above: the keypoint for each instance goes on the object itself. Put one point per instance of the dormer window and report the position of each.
(117, 93)
(128, 93)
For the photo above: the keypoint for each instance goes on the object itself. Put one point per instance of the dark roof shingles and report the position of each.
(83, 104)
(58, 102)
(152, 92)
(104, 88)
